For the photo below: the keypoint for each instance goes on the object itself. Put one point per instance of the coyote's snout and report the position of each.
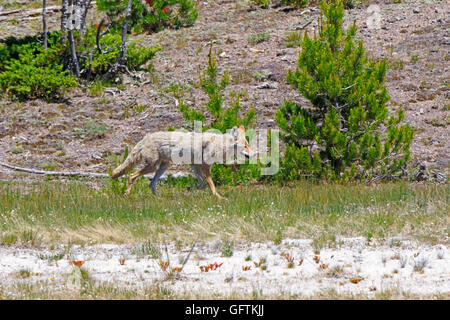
(159, 149)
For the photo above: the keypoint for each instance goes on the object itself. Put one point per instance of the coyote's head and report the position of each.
(240, 142)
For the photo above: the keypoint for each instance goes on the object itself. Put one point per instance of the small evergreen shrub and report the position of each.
(137, 55)
(95, 129)
(261, 3)
(347, 131)
(151, 15)
(28, 71)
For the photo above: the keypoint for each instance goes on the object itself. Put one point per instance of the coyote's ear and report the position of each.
(241, 131)
(234, 132)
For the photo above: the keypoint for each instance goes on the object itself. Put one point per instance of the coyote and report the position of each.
(159, 149)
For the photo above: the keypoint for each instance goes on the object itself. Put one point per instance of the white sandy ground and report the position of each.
(382, 267)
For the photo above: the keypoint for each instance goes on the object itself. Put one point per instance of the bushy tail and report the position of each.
(130, 162)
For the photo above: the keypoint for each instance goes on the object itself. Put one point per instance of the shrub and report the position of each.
(137, 55)
(154, 16)
(262, 3)
(347, 131)
(298, 3)
(348, 4)
(95, 129)
(96, 89)
(28, 71)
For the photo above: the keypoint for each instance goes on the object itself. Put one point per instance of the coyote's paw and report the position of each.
(221, 198)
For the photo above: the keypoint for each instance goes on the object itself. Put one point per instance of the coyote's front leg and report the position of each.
(133, 177)
(206, 172)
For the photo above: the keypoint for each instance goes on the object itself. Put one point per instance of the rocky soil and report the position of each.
(69, 135)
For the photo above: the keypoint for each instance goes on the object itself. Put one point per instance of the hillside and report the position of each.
(87, 129)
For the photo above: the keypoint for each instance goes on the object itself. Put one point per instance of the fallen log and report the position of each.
(78, 173)
(38, 11)
(56, 173)
(31, 12)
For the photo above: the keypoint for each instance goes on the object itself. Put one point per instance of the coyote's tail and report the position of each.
(130, 162)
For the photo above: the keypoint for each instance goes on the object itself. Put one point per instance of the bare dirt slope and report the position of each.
(413, 36)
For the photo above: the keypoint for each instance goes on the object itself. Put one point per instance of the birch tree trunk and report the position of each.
(64, 18)
(84, 7)
(123, 53)
(44, 22)
(121, 64)
(73, 16)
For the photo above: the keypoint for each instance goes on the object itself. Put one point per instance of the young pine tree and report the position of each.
(348, 130)
(151, 15)
(222, 118)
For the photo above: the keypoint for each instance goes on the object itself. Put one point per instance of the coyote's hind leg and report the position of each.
(200, 178)
(162, 168)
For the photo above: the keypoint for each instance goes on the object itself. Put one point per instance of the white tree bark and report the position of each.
(123, 52)
(44, 22)
(121, 64)
(64, 18)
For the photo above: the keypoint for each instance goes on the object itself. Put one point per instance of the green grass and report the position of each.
(293, 39)
(258, 38)
(96, 89)
(16, 150)
(92, 290)
(52, 211)
(48, 166)
(261, 3)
